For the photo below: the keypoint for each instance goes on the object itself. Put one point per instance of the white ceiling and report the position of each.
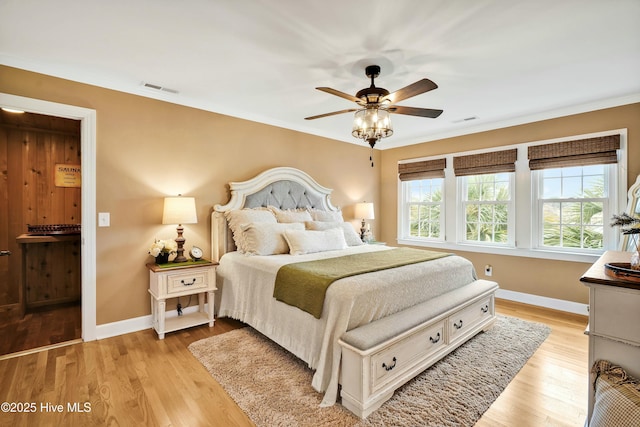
(503, 61)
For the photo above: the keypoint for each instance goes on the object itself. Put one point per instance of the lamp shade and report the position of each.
(179, 210)
(364, 210)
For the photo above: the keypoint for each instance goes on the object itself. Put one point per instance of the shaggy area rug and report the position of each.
(273, 387)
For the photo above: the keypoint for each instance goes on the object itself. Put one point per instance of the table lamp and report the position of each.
(179, 210)
(364, 211)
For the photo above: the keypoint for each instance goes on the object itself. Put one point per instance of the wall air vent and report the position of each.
(158, 88)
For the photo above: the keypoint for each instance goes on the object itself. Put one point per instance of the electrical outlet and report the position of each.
(104, 219)
(488, 270)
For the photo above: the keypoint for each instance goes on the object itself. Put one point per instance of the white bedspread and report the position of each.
(246, 284)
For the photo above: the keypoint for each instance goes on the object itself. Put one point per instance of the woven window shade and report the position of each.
(493, 162)
(582, 152)
(422, 170)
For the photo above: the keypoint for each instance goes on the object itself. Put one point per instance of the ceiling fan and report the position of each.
(372, 121)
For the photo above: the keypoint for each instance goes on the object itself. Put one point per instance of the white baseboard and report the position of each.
(136, 324)
(553, 303)
(144, 322)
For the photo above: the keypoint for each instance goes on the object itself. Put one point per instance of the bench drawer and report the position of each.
(394, 360)
(465, 319)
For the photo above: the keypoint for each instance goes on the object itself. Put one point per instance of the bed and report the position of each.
(376, 330)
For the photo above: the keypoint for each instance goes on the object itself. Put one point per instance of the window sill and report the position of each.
(519, 252)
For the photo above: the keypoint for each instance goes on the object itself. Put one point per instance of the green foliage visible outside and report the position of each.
(577, 221)
(573, 202)
(487, 208)
(425, 207)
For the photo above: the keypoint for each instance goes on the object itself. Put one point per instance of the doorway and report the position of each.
(87, 119)
(40, 217)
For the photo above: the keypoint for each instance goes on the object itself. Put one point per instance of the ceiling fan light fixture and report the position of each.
(372, 124)
(372, 120)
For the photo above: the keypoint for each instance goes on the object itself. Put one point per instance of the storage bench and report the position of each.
(380, 356)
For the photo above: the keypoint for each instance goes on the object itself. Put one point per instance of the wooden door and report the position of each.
(33, 147)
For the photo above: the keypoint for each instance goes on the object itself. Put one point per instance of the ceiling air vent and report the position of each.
(466, 119)
(158, 88)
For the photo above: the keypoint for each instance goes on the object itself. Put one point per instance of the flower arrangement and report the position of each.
(163, 247)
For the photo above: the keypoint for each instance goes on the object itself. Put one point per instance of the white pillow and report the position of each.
(326, 216)
(264, 238)
(310, 241)
(238, 217)
(291, 215)
(350, 236)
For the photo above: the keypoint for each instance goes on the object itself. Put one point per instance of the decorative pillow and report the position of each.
(350, 236)
(617, 396)
(291, 215)
(238, 217)
(265, 238)
(310, 241)
(326, 216)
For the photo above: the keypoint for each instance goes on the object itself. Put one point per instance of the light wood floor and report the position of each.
(552, 388)
(136, 379)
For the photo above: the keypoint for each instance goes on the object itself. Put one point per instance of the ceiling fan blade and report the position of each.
(412, 111)
(340, 94)
(421, 86)
(319, 116)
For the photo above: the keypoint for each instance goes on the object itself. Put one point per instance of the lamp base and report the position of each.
(180, 258)
(363, 230)
(180, 242)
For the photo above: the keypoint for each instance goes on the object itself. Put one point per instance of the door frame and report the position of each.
(87, 119)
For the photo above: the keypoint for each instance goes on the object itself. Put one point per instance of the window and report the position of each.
(572, 206)
(575, 183)
(425, 208)
(548, 199)
(423, 190)
(487, 208)
(485, 197)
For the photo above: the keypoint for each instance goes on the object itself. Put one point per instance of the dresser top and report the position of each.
(596, 273)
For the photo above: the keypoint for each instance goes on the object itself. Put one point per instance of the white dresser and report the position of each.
(614, 317)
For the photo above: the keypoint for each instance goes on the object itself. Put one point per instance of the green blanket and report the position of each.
(304, 284)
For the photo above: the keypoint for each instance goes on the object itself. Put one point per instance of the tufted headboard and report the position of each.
(282, 187)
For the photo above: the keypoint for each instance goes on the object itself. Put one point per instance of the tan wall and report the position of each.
(549, 278)
(148, 149)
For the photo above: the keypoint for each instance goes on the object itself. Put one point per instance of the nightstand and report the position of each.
(180, 281)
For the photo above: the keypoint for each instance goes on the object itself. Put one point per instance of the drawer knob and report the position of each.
(436, 339)
(188, 284)
(389, 367)
(457, 325)
(485, 308)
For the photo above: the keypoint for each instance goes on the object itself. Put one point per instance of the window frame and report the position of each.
(525, 218)
(537, 226)
(406, 213)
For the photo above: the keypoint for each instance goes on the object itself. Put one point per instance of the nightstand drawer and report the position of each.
(186, 281)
